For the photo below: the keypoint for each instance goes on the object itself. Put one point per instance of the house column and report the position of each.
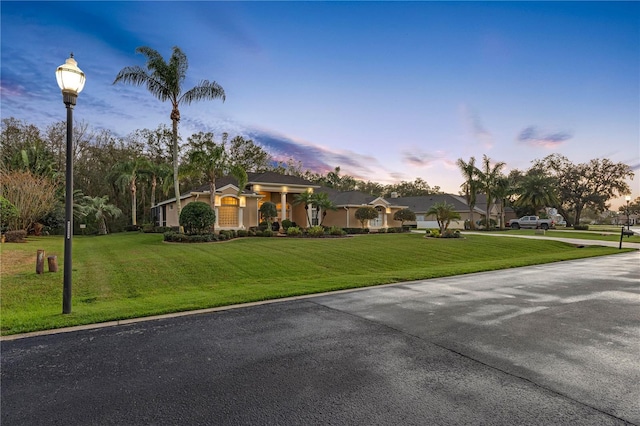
(283, 205)
(217, 217)
(384, 220)
(241, 217)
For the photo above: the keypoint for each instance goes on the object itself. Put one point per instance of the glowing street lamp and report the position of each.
(71, 81)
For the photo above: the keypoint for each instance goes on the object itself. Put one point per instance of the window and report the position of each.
(228, 212)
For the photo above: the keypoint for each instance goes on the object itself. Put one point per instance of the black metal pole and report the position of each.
(69, 101)
(628, 218)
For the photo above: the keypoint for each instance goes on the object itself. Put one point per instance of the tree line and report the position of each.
(551, 182)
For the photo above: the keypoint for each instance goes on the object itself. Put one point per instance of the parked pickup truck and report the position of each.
(533, 222)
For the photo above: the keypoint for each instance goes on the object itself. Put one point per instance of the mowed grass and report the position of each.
(133, 275)
(603, 235)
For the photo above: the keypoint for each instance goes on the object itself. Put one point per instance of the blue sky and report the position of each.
(388, 91)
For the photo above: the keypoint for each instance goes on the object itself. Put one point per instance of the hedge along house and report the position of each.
(237, 209)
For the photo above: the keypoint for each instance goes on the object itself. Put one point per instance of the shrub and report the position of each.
(15, 236)
(229, 234)
(334, 230)
(356, 230)
(392, 230)
(286, 224)
(8, 212)
(275, 227)
(294, 231)
(315, 231)
(363, 214)
(242, 232)
(449, 233)
(132, 228)
(258, 233)
(267, 233)
(223, 236)
(382, 231)
(197, 217)
(176, 237)
(581, 227)
(262, 226)
(433, 233)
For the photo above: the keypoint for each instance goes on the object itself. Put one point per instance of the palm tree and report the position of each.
(488, 178)
(323, 203)
(157, 174)
(444, 214)
(470, 185)
(307, 199)
(502, 190)
(164, 81)
(125, 176)
(211, 160)
(536, 191)
(100, 209)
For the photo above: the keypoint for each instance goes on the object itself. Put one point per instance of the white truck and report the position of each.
(532, 222)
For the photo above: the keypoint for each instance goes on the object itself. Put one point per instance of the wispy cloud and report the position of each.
(535, 136)
(476, 127)
(418, 158)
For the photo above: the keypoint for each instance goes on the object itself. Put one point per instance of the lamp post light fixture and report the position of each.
(71, 81)
(627, 198)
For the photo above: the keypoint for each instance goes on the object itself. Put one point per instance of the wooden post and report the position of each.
(40, 262)
(53, 263)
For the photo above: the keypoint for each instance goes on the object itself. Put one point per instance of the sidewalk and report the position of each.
(576, 241)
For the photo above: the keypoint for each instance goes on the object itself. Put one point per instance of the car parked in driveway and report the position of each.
(531, 222)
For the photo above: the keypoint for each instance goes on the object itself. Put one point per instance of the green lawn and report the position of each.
(604, 235)
(132, 275)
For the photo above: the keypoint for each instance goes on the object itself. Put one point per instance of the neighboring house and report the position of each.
(421, 204)
(347, 203)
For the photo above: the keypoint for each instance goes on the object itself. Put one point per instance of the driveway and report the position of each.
(549, 344)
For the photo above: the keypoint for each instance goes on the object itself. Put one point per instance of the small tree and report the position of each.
(404, 215)
(444, 214)
(322, 202)
(363, 214)
(305, 198)
(197, 217)
(98, 208)
(268, 211)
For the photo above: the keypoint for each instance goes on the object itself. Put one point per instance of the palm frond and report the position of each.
(204, 90)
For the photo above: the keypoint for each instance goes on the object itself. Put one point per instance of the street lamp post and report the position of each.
(71, 81)
(627, 198)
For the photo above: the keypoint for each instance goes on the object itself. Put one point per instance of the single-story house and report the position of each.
(239, 209)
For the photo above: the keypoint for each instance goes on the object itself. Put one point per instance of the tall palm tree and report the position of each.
(157, 173)
(488, 178)
(125, 176)
(164, 80)
(470, 186)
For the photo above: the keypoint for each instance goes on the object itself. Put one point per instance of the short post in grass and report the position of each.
(40, 262)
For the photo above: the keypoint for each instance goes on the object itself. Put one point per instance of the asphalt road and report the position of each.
(549, 344)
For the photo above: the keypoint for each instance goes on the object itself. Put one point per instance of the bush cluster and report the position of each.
(294, 231)
(315, 231)
(449, 233)
(356, 230)
(18, 236)
(176, 237)
(334, 230)
(581, 227)
(153, 229)
(197, 217)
